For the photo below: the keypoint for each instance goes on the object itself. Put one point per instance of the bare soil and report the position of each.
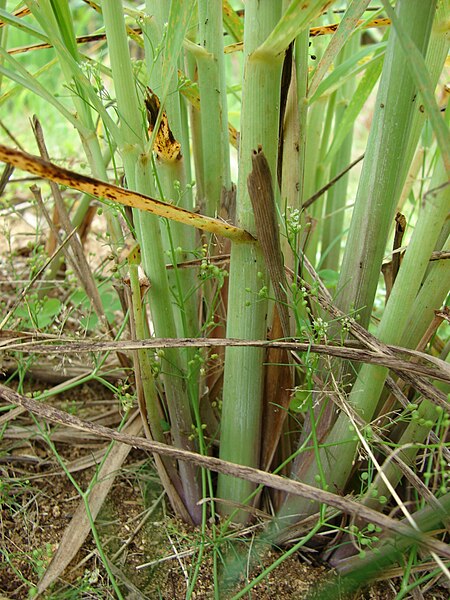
(38, 501)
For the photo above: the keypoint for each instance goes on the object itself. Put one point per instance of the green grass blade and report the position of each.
(64, 19)
(232, 22)
(359, 98)
(22, 25)
(358, 62)
(296, 18)
(344, 31)
(26, 80)
(419, 72)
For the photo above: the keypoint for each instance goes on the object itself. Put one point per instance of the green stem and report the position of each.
(337, 195)
(138, 170)
(379, 183)
(366, 391)
(243, 377)
(173, 367)
(213, 100)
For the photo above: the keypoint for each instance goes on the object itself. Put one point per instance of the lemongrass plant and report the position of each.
(153, 101)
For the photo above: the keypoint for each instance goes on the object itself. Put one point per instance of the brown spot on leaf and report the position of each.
(166, 146)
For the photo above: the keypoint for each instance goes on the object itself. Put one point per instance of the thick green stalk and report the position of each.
(312, 174)
(128, 105)
(435, 60)
(293, 181)
(317, 112)
(172, 366)
(415, 63)
(139, 175)
(179, 241)
(301, 71)
(243, 377)
(213, 101)
(364, 397)
(379, 184)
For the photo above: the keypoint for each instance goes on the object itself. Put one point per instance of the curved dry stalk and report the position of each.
(440, 369)
(100, 189)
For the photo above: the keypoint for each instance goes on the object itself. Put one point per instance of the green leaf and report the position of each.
(295, 19)
(64, 18)
(329, 277)
(344, 31)
(350, 68)
(419, 72)
(51, 307)
(299, 401)
(22, 25)
(357, 102)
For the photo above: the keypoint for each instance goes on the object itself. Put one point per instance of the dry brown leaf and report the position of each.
(101, 189)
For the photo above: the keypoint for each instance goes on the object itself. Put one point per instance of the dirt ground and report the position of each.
(38, 501)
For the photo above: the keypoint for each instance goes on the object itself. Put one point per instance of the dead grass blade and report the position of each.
(78, 261)
(390, 357)
(278, 376)
(322, 296)
(79, 528)
(5, 177)
(344, 504)
(100, 189)
(278, 385)
(260, 190)
(330, 184)
(317, 31)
